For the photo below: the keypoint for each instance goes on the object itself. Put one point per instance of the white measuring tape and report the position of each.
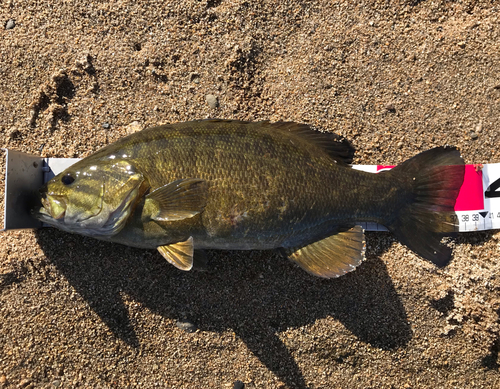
(478, 203)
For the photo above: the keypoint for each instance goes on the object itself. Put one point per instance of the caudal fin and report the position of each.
(431, 181)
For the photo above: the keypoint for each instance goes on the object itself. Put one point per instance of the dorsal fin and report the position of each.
(336, 146)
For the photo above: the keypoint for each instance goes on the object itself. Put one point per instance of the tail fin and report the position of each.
(432, 181)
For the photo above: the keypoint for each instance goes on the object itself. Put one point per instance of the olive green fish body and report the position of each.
(264, 189)
(238, 185)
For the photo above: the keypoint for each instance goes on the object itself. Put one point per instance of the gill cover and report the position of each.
(93, 200)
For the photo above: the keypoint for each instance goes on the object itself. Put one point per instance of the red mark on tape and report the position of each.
(471, 196)
(381, 168)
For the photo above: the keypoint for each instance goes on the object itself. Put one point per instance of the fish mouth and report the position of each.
(53, 208)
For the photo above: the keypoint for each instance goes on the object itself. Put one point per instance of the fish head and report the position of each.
(94, 199)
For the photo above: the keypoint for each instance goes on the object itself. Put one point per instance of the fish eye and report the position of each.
(67, 179)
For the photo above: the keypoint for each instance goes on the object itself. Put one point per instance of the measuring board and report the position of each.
(477, 207)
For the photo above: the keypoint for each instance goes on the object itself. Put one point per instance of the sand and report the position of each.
(394, 77)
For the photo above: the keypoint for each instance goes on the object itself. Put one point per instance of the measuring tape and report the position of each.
(478, 203)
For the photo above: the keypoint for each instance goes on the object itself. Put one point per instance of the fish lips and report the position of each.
(52, 207)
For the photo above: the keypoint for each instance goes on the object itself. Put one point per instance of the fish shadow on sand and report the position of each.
(256, 294)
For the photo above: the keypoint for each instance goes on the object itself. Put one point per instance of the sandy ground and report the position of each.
(394, 77)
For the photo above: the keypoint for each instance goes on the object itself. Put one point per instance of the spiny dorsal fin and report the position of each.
(333, 256)
(179, 254)
(177, 200)
(337, 147)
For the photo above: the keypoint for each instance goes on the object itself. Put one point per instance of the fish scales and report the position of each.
(239, 185)
(257, 193)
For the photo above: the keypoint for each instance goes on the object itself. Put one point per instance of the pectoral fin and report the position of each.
(333, 256)
(177, 200)
(179, 254)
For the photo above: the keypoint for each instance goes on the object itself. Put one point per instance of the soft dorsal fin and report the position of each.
(177, 200)
(179, 254)
(333, 256)
(337, 147)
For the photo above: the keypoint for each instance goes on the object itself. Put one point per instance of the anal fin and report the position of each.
(179, 254)
(333, 256)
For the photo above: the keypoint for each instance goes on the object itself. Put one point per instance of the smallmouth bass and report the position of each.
(220, 184)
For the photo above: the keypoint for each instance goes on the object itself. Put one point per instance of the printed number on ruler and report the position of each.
(478, 204)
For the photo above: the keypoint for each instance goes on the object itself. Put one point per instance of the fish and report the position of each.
(225, 184)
